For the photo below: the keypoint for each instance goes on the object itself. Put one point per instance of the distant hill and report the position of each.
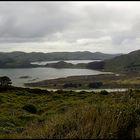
(39, 56)
(127, 62)
(60, 64)
(23, 60)
(63, 64)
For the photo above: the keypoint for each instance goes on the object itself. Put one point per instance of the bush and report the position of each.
(30, 108)
(104, 92)
(67, 85)
(82, 92)
(95, 84)
(59, 91)
(37, 91)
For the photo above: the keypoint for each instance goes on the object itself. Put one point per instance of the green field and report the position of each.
(35, 113)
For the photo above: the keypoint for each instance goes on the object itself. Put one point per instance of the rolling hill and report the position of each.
(126, 62)
(23, 60)
(39, 56)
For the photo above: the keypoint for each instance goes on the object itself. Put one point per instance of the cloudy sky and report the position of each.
(109, 27)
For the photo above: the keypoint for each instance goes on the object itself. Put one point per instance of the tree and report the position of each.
(5, 81)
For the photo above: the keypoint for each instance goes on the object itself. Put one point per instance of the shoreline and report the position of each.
(109, 81)
(79, 90)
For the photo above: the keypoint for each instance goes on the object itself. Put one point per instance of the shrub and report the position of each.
(67, 85)
(37, 91)
(86, 122)
(95, 84)
(30, 108)
(59, 91)
(82, 92)
(104, 92)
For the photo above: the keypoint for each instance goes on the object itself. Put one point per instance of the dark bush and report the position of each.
(37, 91)
(82, 92)
(95, 84)
(79, 85)
(5, 88)
(67, 85)
(104, 92)
(30, 108)
(59, 91)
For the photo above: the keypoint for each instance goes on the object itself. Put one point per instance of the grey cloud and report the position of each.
(23, 21)
(119, 37)
(130, 34)
(57, 22)
(96, 21)
(31, 21)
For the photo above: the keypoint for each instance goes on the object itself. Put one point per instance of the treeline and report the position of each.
(39, 56)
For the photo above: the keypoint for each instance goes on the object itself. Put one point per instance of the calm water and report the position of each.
(68, 61)
(38, 74)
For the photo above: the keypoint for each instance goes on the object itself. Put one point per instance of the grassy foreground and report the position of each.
(35, 113)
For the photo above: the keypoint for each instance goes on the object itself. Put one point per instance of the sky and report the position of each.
(108, 27)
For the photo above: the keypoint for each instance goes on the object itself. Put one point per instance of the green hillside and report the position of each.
(128, 62)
